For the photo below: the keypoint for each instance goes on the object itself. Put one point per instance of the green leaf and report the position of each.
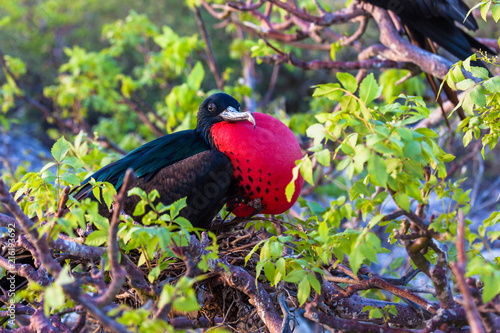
(331, 91)
(269, 271)
(70, 178)
(265, 252)
(295, 276)
(356, 259)
(97, 238)
(465, 84)
(323, 231)
(45, 167)
(348, 81)
(369, 89)
(304, 290)
(495, 12)
(314, 282)
(485, 7)
(492, 84)
(478, 96)
(196, 76)
(376, 313)
(306, 170)
(377, 170)
(60, 149)
(316, 208)
(402, 200)
(323, 157)
(412, 149)
(317, 132)
(185, 304)
(53, 298)
(414, 169)
(290, 188)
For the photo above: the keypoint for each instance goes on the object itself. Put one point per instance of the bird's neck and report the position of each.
(205, 133)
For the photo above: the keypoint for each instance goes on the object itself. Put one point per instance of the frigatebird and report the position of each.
(436, 20)
(228, 158)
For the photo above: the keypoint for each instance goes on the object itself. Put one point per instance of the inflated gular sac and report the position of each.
(263, 158)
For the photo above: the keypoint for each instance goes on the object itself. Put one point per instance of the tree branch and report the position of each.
(458, 269)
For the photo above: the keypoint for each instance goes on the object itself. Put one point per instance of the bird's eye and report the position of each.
(211, 107)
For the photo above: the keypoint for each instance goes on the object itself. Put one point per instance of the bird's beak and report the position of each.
(232, 115)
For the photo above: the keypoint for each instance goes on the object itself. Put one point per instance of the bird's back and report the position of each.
(148, 159)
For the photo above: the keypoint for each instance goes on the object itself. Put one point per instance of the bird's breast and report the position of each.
(263, 159)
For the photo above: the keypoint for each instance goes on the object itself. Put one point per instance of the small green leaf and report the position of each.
(60, 149)
(314, 282)
(478, 96)
(290, 188)
(295, 276)
(369, 89)
(348, 81)
(185, 304)
(304, 290)
(269, 271)
(53, 298)
(196, 76)
(70, 178)
(485, 7)
(46, 166)
(306, 170)
(331, 91)
(495, 12)
(377, 170)
(323, 231)
(97, 238)
(402, 200)
(323, 157)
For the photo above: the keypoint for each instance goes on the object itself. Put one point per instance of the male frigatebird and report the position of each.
(242, 158)
(436, 20)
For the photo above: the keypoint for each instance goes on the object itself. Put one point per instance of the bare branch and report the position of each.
(212, 62)
(31, 233)
(117, 271)
(458, 269)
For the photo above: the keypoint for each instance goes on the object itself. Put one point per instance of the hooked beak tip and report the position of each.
(234, 116)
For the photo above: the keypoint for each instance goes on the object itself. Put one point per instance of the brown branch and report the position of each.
(137, 279)
(143, 116)
(61, 244)
(377, 283)
(270, 89)
(238, 278)
(62, 204)
(26, 271)
(40, 242)
(334, 65)
(327, 18)
(356, 35)
(458, 269)
(40, 323)
(73, 290)
(212, 62)
(346, 325)
(19, 309)
(390, 37)
(117, 271)
(147, 107)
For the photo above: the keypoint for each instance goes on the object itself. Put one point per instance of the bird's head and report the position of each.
(217, 108)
